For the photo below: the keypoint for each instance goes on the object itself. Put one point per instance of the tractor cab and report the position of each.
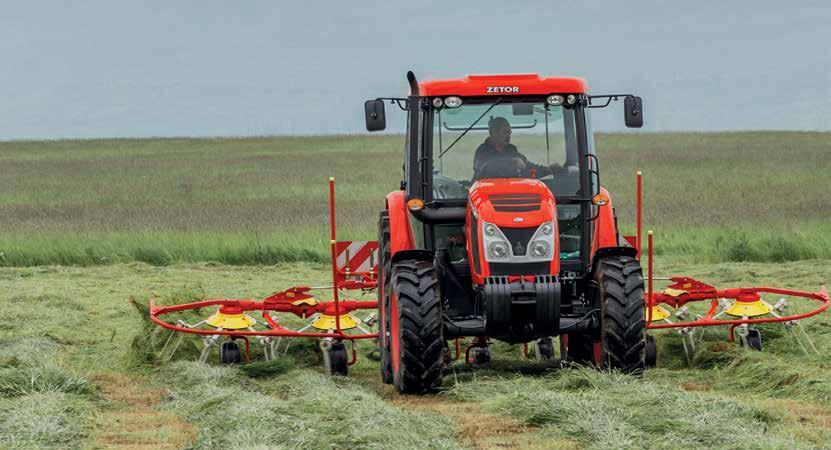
(501, 198)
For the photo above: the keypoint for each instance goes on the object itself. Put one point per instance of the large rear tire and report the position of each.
(623, 324)
(384, 290)
(417, 332)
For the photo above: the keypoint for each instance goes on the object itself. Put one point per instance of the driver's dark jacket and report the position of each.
(487, 152)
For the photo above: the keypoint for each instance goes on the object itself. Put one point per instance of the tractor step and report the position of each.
(463, 326)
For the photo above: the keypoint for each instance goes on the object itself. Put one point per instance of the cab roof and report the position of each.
(504, 84)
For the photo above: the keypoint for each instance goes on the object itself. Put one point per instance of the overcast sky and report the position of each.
(106, 68)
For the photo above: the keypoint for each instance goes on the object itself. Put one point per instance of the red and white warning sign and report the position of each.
(357, 256)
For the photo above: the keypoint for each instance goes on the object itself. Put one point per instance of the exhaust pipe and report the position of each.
(411, 78)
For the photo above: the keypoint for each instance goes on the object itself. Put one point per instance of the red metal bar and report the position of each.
(638, 213)
(334, 252)
(354, 354)
(250, 305)
(651, 302)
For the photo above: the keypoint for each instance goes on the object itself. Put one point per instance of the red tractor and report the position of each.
(503, 232)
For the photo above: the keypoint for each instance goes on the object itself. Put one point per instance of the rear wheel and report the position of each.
(623, 336)
(384, 290)
(416, 331)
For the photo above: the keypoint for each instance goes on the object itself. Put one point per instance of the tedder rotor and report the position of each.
(334, 322)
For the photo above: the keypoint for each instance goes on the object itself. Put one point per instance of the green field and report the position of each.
(91, 230)
(709, 197)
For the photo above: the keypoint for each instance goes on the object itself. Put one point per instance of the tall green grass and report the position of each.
(750, 196)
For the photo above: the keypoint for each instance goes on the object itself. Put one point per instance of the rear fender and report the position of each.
(401, 230)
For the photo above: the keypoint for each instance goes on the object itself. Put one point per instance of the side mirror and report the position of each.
(633, 112)
(376, 119)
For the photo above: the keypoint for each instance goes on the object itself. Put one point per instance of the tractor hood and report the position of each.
(512, 202)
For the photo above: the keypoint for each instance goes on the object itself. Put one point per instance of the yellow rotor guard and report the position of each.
(230, 321)
(659, 313)
(306, 301)
(674, 292)
(326, 322)
(749, 309)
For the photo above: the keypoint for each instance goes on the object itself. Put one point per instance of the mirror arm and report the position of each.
(401, 102)
(608, 97)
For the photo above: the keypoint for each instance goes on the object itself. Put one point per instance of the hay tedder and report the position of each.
(500, 230)
(333, 322)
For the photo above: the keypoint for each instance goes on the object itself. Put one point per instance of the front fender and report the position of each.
(401, 230)
(605, 228)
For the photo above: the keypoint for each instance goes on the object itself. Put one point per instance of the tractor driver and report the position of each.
(497, 157)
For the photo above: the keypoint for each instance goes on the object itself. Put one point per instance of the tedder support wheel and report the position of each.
(580, 349)
(229, 353)
(384, 290)
(650, 352)
(622, 321)
(481, 355)
(338, 359)
(754, 339)
(416, 328)
(545, 348)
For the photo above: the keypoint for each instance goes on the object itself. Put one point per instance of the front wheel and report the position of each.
(384, 289)
(416, 327)
(622, 319)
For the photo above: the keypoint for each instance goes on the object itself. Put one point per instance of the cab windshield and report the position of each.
(503, 139)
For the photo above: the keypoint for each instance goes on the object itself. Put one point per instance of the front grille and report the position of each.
(518, 238)
(533, 268)
(515, 202)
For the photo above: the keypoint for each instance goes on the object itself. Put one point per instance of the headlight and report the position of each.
(453, 102)
(498, 250)
(438, 102)
(495, 243)
(555, 100)
(541, 245)
(540, 249)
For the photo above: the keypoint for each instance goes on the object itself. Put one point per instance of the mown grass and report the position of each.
(617, 411)
(85, 327)
(42, 405)
(750, 196)
(303, 409)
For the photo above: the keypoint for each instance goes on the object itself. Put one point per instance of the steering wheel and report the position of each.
(501, 168)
